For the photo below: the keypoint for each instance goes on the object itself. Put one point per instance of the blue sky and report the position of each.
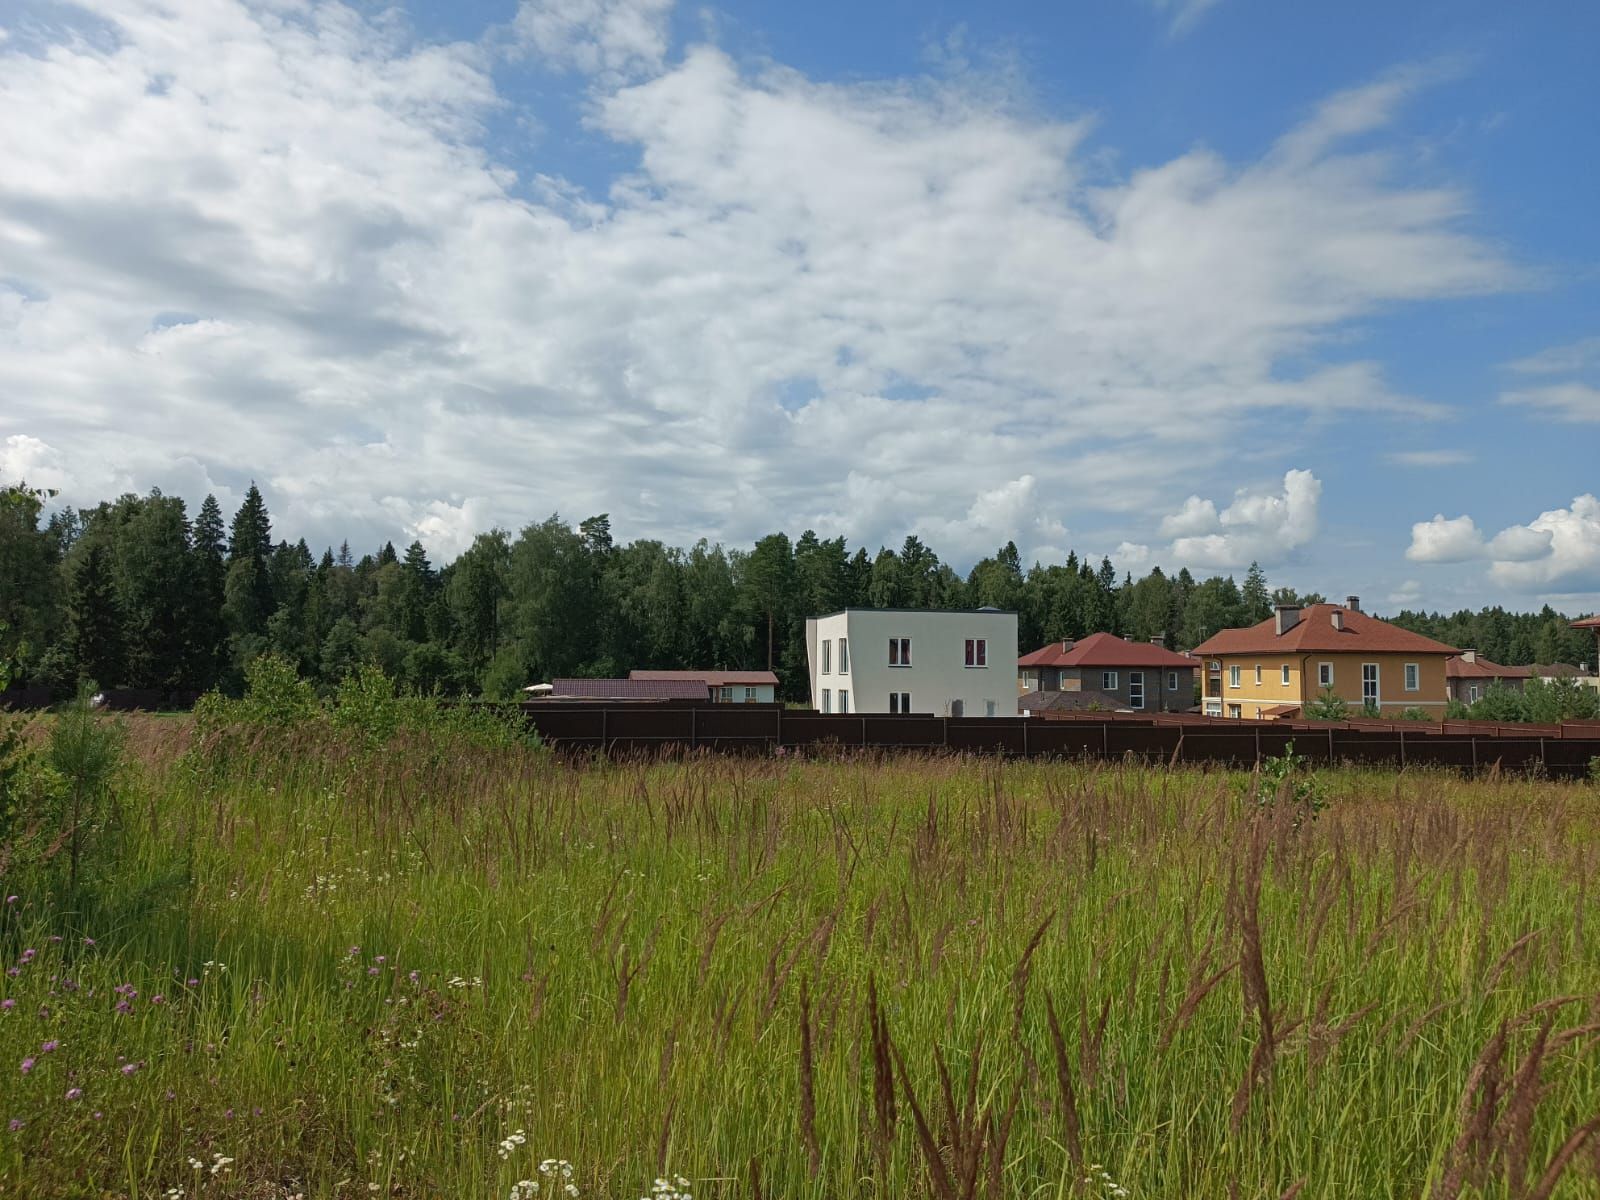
(1185, 283)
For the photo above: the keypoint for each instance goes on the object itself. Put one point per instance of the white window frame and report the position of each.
(1236, 711)
(1258, 674)
(749, 695)
(844, 700)
(900, 702)
(827, 700)
(1136, 689)
(1213, 707)
(1377, 685)
(827, 656)
(1413, 677)
(1172, 681)
(1233, 676)
(1108, 681)
(1325, 674)
(899, 652)
(1285, 674)
(977, 654)
(844, 656)
(725, 694)
(1472, 693)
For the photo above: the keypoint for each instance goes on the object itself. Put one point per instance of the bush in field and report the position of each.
(1286, 780)
(85, 751)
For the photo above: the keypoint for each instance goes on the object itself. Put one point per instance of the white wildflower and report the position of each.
(525, 1189)
(220, 1163)
(509, 1145)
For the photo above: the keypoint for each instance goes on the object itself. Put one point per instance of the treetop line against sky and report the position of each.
(1188, 282)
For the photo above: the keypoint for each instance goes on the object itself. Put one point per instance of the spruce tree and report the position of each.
(94, 619)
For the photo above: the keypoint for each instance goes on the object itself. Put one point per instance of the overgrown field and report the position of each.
(306, 964)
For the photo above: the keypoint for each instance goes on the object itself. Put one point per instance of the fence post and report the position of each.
(1544, 764)
(780, 724)
(1474, 740)
(1258, 745)
(1330, 745)
(605, 739)
(694, 729)
(1402, 749)
(1025, 753)
(863, 733)
(1105, 739)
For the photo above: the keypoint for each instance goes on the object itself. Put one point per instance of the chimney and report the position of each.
(1469, 656)
(1353, 603)
(1337, 617)
(1287, 617)
(1158, 640)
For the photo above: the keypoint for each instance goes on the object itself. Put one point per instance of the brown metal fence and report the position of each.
(1560, 751)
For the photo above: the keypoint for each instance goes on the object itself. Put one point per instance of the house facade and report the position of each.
(1274, 668)
(1137, 676)
(1469, 675)
(950, 663)
(725, 687)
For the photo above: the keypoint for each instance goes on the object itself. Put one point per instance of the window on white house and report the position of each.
(827, 700)
(1413, 677)
(1135, 689)
(988, 708)
(1324, 674)
(1285, 676)
(726, 695)
(827, 656)
(844, 656)
(977, 652)
(899, 702)
(1108, 681)
(749, 695)
(1233, 677)
(844, 701)
(899, 652)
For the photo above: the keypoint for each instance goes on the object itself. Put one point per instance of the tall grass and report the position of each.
(354, 971)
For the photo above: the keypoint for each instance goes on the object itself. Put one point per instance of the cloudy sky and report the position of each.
(1189, 282)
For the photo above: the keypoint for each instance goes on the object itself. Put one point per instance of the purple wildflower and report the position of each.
(98, 1114)
(75, 1093)
(13, 972)
(11, 899)
(52, 1044)
(15, 1125)
(354, 950)
(194, 983)
(372, 970)
(158, 998)
(414, 976)
(8, 1004)
(381, 958)
(124, 1007)
(27, 1065)
(28, 955)
(88, 941)
(130, 1068)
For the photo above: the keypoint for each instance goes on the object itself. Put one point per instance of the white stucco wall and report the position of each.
(938, 673)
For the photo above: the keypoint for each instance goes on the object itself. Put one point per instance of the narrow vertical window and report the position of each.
(827, 656)
(827, 700)
(844, 656)
(1286, 676)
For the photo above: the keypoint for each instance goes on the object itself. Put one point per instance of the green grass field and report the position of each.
(312, 970)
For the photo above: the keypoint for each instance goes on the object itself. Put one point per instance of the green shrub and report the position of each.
(1286, 779)
(1328, 706)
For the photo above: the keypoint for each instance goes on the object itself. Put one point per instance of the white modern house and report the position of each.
(950, 663)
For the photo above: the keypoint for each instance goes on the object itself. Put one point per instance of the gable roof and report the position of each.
(1106, 650)
(1587, 623)
(1459, 668)
(1070, 702)
(710, 678)
(1315, 633)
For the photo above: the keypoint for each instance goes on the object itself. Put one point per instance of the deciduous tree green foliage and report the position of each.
(1328, 706)
(1539, 701)
(133, 593)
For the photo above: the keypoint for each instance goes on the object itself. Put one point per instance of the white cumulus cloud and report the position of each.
(272, 241)
(1557, 550)
(1257, 526)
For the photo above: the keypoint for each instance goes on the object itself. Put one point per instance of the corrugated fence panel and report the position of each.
(904, 731)
(1142, 741)
(1513, 754)
(810, 729)
(1063, 739)
(1218, 746)
(568, 724)
(987, 734)
(1569, 757)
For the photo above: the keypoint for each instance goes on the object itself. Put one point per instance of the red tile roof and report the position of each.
(1105, 650)
(1315, 633)
(1460, 668)
(711, 678)
(1587, 623)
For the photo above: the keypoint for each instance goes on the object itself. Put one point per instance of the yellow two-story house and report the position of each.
(1273, 669)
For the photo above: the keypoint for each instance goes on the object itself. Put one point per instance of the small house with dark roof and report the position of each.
(726, 687)
(1291, 658)
(1469, 675)
(1137, 676)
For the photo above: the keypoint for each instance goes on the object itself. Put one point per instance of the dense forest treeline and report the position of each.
(137, 593)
